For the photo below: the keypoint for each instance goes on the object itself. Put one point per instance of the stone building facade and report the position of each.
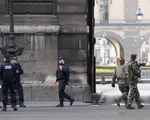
(48, 29)
(118, 19)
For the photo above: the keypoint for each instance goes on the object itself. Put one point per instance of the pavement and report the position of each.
(51, 104)
(79, 111)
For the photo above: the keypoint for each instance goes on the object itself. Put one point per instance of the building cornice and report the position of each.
(31, 29)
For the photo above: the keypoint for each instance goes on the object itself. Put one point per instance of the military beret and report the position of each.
(121, 59)
(133, 55)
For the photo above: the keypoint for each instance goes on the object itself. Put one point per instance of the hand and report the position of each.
(60, 67)
(55, 84)
(113, 85)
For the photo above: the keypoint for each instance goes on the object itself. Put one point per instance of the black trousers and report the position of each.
(19, 88)
(62, 94)
(8, 85)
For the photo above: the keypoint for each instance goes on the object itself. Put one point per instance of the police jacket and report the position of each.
(8, 72)
(63, 74)
(19, 69)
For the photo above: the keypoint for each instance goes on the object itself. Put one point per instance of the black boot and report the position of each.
(12, 106)
(15, 107)
(140, 106)
(60, 105)
(4, 108)
(129, 107)
(22, 105)
(118, 102)
(71, 101)
(125, 104)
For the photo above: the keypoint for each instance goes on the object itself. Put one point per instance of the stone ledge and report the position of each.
(31, 29)
(82, 29)
(44, 92)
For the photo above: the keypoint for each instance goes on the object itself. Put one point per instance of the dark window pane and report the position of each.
(104, 10)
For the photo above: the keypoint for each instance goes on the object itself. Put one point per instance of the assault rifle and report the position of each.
(139, 65)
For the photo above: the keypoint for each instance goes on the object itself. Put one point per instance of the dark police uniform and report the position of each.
(8, 73)
(18, 85)
(63, 78)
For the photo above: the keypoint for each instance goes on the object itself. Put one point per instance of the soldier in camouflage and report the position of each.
(133, 73)
(120, 75)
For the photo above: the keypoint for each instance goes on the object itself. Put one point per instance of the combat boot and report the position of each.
(15, 107)
(125, 103)
(140, 106)
(22, 105)
(129, 107)
(12, 106)
(60, 105)
(4, 108)
(71, 101)
(118, 102)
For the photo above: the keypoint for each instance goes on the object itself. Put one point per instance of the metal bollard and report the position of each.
(103, 80)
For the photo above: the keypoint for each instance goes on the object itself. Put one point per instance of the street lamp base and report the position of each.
(14, 51)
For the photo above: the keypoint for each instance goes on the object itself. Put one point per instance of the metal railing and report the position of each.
(33, 6)
(145, 78)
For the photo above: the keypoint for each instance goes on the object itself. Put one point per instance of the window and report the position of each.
(2, 7)
(111, 1)
(111, 59)
(108, 42)
(104, 10)
(97, 1)
(147, 50)
(108, 53)
(147, 42)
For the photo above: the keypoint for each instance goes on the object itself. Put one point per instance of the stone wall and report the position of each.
(46, 36)
(72, 42)
(39, 59)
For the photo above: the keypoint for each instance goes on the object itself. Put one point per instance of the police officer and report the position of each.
(133, 72)
(120, 75)
(62, 77)
(8, 74)
(18, 85)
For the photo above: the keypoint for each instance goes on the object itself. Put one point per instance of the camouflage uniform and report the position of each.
(133, 74)
(121, 77)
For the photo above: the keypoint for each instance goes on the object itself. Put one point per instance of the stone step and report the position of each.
(34, 92)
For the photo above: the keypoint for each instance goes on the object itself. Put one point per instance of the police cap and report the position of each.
(7, 57)
(13, 58)
(61, 58)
